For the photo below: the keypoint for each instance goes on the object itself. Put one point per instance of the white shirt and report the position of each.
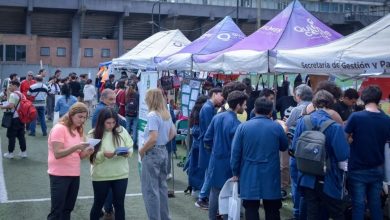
(89, 92)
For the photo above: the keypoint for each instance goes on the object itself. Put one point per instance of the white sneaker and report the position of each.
(23, 154)
(9, 155)
(169, 176)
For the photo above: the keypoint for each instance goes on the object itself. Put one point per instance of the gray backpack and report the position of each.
(310, 152)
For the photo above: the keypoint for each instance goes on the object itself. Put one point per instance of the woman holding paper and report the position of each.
(158, 132)
(66, 149)
(110, 167)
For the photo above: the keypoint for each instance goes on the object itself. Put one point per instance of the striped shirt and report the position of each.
(39, 91)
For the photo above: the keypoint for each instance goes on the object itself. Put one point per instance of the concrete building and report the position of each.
(76, 35)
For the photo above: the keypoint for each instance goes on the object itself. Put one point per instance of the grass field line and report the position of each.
(79, 198)
(3, 191)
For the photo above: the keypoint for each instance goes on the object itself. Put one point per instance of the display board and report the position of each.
(189, 93)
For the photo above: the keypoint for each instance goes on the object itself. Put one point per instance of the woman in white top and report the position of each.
(158, 132)
(89, 94)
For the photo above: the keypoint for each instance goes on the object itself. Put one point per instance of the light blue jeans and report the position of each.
(154, 183)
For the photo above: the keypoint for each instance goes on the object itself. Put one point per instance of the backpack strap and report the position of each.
(308, 124)
(326, 124)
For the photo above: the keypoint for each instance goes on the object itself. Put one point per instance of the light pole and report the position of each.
(238, 1)
(159, 16)
(258, 21)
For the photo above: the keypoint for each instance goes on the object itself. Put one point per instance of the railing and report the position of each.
(376, 8)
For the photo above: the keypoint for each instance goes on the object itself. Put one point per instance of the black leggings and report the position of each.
(100, 191)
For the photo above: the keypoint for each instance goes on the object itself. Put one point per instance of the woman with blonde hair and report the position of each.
(158, 132)
(66, 148)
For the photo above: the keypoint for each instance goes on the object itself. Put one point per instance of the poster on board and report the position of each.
(189, 93)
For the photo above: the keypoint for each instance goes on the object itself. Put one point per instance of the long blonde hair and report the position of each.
(66, 120)
(156, 102)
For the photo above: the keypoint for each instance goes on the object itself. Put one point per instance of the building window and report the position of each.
(106, 53)
(61, 51)
(88, 52)
(15, 53)
(1, 52)
(45, 51)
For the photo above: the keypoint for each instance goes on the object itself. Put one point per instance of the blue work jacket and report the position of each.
(205, 116)
(255, 158)
(219, 136)
(337, 150)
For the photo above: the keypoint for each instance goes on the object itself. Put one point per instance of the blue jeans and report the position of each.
(366, 184)
(132, 127)
(213, 204)
(299, 207)
(41, 118)
(205, 191)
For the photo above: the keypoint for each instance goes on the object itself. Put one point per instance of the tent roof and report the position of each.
(364, 52)
(292, 28)
(223, 35)
(161, 44)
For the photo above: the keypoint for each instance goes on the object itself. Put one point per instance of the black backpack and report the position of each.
(310, 152)
(132, 106)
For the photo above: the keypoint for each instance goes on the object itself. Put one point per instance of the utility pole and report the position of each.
(238, 1)
(258, 20)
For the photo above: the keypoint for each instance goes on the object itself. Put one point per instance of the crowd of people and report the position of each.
(259, 152)
(238, 134)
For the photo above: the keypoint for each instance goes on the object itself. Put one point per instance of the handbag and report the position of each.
(6, 121)
(234, 204)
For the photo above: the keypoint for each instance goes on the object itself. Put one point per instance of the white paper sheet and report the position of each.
(93, 142)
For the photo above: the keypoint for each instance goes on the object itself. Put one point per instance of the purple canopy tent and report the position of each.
(223, 35)
(292, 28)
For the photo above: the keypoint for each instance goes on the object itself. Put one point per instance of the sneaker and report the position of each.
(169, 176)
(31, 134)
(44, 134)
(9, 155)
(202, 204)
(23, 154)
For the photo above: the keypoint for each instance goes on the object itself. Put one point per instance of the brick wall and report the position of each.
(34, 44)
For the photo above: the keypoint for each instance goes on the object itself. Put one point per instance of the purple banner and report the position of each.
(292, 28)
(223, 35)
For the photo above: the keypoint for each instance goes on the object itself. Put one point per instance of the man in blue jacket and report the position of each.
(205, 116)
(107, 99)
(219, 138)
(325, 192)
(255, 161)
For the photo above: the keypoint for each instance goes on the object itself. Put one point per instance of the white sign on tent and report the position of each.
(365, 52)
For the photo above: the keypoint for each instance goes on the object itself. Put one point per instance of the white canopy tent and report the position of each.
(161, 44)
(366, 52)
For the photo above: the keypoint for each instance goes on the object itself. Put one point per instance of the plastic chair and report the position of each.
(182, 130)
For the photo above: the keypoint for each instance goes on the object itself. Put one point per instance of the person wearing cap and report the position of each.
(25, 84)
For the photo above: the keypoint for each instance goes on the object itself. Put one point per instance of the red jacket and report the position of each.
(25, 86)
